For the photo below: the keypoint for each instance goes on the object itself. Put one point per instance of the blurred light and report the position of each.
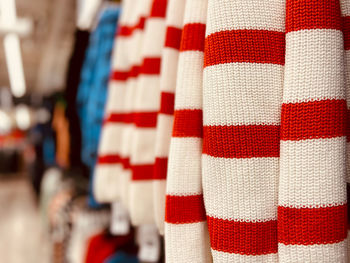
(5, 123)
(87, 13)
(23, 117)
(8, 12)
(14, 64)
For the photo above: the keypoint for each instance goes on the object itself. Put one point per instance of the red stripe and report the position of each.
(184, 209)
(242, 141)
(158, 8)
(134, 71)
(126, 31)
(151, 66)
(142, 172)
(245, 238)
(173, 37)
(306, 14)
(188, 123)
(167, 103)
(120, 75)
(119, 118)
(193, 37)
(124, 75)
(308, 226)
(253, 46)
(160, 168)
(125, 162)
(109, 159)
(346, 31)
(314, 119)
(145, 119)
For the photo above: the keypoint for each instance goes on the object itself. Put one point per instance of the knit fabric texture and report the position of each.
(170, 57)
(268, 99)
(240, 109)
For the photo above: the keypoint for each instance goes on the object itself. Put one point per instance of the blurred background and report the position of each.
(50, 51)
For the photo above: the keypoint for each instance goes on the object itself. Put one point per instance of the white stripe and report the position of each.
(189, 84)
(175, 13)
(154, 37)
(312, 173)
(115, 101)
(110, 139)
(126, 139)
(345, 7)
(169, 69)
(347, 74)
(107, 182)
(121, 54)
(159, 191)
(314, 65)
(243, 14)
(141, 202)
(164, 130)
(222, 257)
(196, 11)
(148, 93)
(184, 167)
(130, 94)
(313, 253)
(124, 182)
(242, 94)
(241, 189)
(187, 243)
(143, 150)
(134, 48)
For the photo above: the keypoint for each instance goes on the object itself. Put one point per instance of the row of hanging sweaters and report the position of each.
(225, 125)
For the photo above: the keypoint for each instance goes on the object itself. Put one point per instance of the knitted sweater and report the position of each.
(258, 150)
(170, 56)
(107, 186)
(146, 107)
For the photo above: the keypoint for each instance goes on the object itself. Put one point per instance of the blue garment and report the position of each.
(121, 257)
(92, 91)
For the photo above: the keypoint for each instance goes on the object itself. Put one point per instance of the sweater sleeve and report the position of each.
(312, 190)
(170, 56)
(108, 167)
(186, 231)
(345, 8)
(146, 108)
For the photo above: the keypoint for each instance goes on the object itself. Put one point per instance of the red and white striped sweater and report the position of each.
(265, 89)
(257, 161)
(170, 56)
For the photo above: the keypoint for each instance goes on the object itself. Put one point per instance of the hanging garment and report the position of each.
(92, 91)
(168, 75)
(147, 103)
(258, 151)
(107, 186)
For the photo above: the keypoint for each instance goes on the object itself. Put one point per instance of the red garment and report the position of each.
(103, 245)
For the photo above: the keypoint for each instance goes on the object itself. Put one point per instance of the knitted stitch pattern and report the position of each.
(312, 211)
(345, 9)
(274, 135)
(170, 56)
(186, 232)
